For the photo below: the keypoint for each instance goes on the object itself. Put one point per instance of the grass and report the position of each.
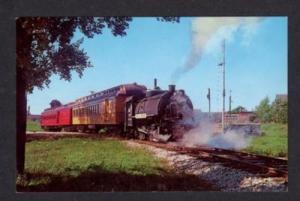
(83, 164)
(273, 142)
(33, 126)
(74, 155)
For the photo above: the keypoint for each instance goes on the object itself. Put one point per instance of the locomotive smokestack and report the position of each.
(155, 83)
(172, 88)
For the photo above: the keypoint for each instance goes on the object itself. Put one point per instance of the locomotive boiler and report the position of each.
(158, 115)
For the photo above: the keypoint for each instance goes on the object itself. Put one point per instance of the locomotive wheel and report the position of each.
(151, 138)
(142, 136)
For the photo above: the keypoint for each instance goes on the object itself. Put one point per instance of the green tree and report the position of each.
(263, 110)
(280, 111)
(44, 48)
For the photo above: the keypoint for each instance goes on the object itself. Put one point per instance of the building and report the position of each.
(33, 117)
(229, 118)
(281, 98)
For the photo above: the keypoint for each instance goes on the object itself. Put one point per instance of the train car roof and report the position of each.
(68, 105)
(114, 91)
(124, 89)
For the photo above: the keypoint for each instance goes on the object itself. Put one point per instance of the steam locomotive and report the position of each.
(157, 115)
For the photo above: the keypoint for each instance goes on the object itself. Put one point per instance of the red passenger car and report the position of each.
(57, 117)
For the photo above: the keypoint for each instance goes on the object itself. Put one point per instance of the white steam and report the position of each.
(213, 30)
(206, 134)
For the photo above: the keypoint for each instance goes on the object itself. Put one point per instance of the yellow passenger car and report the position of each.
(105, 107)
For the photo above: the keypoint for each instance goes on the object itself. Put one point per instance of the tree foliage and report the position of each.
(263, 110)
(44, 45)
(277, 111)
(55, 103)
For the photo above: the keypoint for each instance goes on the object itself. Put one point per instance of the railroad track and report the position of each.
(257, 164)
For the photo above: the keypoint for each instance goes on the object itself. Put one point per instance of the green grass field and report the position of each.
(83, 164)
(33, 126)
(274, 141)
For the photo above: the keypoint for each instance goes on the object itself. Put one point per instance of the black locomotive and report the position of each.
(161, 115)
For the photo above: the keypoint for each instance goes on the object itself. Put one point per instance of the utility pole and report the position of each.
(223, 72)
(208, 97)
(230, 101)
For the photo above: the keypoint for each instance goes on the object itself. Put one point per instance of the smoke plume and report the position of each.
(205, 134)
(204, 29)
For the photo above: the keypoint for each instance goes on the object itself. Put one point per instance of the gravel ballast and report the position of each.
(224, 178)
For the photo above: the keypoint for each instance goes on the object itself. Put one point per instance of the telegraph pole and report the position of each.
(230, 101)
(223, 72)
(208, 97)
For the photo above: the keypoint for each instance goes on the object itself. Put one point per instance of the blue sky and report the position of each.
(256, 63)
